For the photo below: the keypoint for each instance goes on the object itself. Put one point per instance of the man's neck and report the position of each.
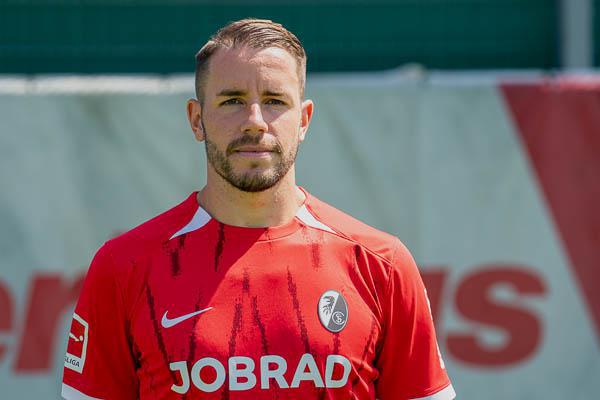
(272, 207)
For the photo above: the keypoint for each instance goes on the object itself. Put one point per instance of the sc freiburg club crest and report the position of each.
(333, 311)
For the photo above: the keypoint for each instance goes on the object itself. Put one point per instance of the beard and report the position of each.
(254, 180)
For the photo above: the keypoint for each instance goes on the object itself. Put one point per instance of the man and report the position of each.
(252, 288)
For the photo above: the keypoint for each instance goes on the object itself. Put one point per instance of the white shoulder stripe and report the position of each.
(446, 393)
(70, 393)
(200, 218)
(308, 219)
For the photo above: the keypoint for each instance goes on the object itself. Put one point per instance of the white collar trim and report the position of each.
(200, 218)
(308, 219)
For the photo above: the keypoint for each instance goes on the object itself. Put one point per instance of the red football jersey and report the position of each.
(185, 307)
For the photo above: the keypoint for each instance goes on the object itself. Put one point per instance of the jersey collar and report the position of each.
(201, 218)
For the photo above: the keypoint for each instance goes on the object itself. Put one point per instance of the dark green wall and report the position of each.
(596, 23)
(162, 36)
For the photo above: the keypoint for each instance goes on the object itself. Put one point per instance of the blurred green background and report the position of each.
(161, 36)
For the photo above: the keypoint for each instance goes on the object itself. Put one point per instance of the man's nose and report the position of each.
(255, 122)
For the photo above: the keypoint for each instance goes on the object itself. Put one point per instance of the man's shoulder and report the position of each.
(372, 239)
(153, 232)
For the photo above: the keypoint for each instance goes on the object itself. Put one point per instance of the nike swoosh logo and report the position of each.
(167, 322)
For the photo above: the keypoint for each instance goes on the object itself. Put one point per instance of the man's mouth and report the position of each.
(254, 151)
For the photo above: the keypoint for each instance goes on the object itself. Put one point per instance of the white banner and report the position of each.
(440, 164)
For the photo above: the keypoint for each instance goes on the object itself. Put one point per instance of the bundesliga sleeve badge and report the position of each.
(333, 311)
(77, 345)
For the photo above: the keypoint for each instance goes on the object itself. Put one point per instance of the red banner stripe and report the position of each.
(559, 124)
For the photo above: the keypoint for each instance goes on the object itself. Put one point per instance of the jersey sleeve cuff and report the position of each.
(70, 393)
(446, 393)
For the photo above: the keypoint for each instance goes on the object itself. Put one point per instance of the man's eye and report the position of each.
(231, 102)
(275, 101)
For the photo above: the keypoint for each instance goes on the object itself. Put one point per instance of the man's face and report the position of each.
(252, 118)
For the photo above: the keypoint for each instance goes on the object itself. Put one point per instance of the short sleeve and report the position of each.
(99, 362)
(409, 361)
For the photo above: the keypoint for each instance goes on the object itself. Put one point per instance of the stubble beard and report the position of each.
(251, 181)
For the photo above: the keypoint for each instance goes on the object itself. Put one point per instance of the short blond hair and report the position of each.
(254, 33)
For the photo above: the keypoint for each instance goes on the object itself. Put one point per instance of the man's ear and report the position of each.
(307, 113)
(194, 114)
